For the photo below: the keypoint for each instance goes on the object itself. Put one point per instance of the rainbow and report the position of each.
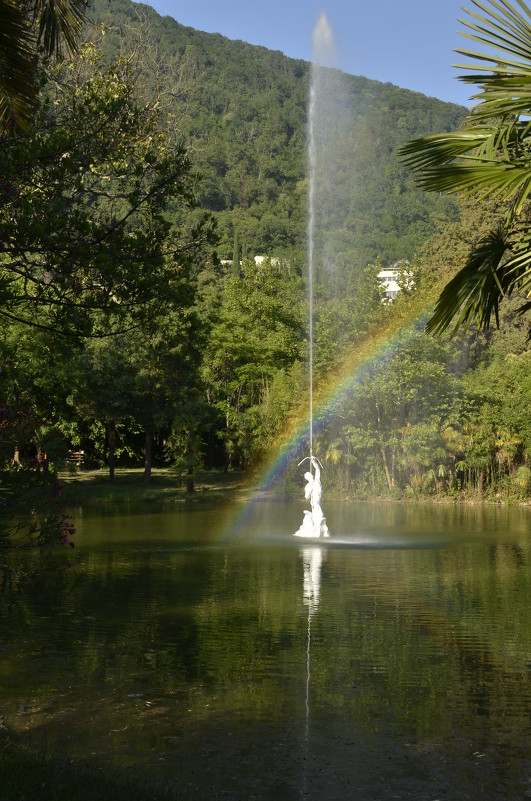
(376, 346)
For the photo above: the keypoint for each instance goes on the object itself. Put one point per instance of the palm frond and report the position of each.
(24, 26)
(438, 149)
(506, 180)
(478, 144)
(476, 290)
(59, 21)
(523, 310)
(518, 266)
(505, 29)
(501, 96)
(18, 89)
(506, 33)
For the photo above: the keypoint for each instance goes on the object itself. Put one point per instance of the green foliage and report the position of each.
(257, 332)
(84, 208)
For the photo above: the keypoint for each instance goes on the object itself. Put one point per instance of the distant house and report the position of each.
(258, 260)
(392, 279)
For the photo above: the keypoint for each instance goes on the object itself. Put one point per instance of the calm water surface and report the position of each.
(394, 661)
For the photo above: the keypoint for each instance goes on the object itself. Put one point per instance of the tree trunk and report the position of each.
(190, 472)
(147, 460)
(384, 455)
(112, 450)
(386, 467)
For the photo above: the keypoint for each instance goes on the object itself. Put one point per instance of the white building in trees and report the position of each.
(394, 278)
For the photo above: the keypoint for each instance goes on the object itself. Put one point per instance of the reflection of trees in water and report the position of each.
(432, 640)
(416, 639)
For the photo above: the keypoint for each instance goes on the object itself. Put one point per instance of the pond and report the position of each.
(206, 645)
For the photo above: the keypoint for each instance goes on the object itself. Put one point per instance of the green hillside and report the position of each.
(244, 111)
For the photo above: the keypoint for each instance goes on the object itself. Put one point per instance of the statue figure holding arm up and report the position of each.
(314, 522)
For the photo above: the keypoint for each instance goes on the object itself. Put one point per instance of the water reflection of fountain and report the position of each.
(312, 560)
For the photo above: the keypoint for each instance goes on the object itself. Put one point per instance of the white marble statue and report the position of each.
(314, 522)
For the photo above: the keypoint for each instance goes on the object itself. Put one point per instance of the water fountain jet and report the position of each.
(314, 523)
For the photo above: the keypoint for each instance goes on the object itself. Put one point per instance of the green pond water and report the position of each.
(205, 645)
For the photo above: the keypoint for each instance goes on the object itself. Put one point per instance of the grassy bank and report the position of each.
(95, 486)
(26, 776)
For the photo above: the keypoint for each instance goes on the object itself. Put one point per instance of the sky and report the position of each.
(409, 43)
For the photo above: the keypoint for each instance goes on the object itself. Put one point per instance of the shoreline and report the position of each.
(95, 486)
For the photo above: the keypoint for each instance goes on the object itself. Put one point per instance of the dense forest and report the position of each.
(139, 327)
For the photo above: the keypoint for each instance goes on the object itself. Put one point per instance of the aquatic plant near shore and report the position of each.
(28, 542)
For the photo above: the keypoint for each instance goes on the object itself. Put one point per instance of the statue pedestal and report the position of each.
(313, 528)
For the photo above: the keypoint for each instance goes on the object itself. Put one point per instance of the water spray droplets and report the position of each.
(324, 51)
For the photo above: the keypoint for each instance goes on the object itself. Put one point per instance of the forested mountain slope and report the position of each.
(243, 109)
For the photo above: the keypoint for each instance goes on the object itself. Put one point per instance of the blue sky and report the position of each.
(407, 42)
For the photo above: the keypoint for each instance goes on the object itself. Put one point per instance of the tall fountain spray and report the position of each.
(323, 57)
(319, 123)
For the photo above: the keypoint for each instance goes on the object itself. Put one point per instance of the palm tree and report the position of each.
(490, 155)
(27, 29)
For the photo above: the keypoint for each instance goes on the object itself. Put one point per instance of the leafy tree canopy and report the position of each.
(87, 241)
